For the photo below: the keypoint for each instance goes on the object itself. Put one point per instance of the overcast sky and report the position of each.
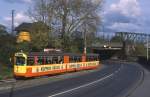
(118, 15)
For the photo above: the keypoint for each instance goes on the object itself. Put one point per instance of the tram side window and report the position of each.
(56, 60)
(88, 58)
(60, 59)
(95, 58)
(30, 61)
(40, 60)
(71, 59)
(49, 60)
(91, 58)
(77, 59)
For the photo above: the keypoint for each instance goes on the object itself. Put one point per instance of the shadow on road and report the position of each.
(143, 61)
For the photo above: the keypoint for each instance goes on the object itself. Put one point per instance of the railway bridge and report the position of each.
(126, 42)
(107, 51)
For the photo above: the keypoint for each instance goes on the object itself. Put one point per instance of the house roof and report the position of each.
(24, 27)
(29, 26)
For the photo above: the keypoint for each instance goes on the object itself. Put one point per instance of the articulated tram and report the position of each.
(35, 64)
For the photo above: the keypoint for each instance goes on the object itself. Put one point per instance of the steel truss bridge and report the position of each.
(127, 36)
(134, 37)
(130, 38)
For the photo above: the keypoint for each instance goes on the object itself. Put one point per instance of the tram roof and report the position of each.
(57, 54)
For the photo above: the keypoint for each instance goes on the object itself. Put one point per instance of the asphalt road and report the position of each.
(113, 81)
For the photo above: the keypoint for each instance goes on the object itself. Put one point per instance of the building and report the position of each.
(23, 32)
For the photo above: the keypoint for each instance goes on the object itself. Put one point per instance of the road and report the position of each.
(113, 81)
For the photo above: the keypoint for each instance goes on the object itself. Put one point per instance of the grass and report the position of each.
(1, 77)
(5, 72)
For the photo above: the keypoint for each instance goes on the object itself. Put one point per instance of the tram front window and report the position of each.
(20, 61)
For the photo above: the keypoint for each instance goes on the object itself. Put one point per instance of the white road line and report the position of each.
(85, 85)
(7, 81)
(4, 88)
(119, 69)
(82, 86)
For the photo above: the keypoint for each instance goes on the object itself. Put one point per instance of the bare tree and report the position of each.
(67, 16)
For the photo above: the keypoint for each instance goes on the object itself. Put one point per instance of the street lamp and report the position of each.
(147, 46)
(13, 11)
(85, 44)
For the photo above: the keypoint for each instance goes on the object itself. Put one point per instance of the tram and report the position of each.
(36, 64)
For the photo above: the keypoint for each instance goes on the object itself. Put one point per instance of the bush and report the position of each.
(5, 72)
(140, 50)
(0, 77)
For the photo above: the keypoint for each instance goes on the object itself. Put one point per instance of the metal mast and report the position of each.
(12, 29)
(85, 45)
(147, 46)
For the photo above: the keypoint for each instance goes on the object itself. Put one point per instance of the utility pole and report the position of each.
(85, 45)
(12, 29)
(147, 46)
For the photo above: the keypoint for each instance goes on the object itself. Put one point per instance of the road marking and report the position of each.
(7, 81)
(118, 69)
(88, 84)
(4, 88)
(82, 86)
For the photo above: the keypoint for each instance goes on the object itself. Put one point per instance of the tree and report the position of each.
(116, 39)
(39, 36)
(140, 50)
(127, 40)
(76, 43)
(66, 16)
(7, 45)
(3, 30)
(25, 46)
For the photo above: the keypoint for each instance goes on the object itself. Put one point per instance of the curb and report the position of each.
(139, 83)
(7, 81)
(129, 92)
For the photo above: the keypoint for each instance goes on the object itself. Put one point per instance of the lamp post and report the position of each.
(85, 45)
(13, 11)
(147, 46)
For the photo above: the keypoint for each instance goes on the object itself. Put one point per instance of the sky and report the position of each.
(117, 15)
